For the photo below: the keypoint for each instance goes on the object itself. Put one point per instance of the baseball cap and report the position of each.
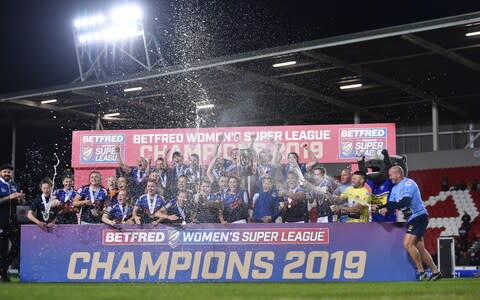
(5, 166)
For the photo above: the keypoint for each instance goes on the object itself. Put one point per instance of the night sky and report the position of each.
(37, 45)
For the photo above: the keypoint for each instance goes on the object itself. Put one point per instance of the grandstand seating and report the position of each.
(446, 208)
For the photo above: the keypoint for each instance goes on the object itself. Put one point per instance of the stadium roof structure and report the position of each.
(405, 72)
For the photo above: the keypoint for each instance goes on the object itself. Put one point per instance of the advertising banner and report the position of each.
(330, 143)
(212, 252)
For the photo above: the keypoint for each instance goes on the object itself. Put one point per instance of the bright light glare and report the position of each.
(473, 33)
(204, 106)
(113, 33)
(350, 86)
(127, 13)
(89, 21)
(48, 101)
(284, 64)
(112, 115)
(138, 88)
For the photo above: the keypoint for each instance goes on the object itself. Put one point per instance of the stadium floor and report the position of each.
(468, 288)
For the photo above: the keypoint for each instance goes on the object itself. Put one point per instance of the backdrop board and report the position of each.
(212, 252)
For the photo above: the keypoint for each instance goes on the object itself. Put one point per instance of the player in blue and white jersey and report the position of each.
(67, 213)
(406, 196)
(90, 199)
(235, 203)
(266, 203)
(207, 204)
(146, 207)
(119, 211)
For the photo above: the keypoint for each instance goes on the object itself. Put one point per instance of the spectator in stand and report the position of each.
(466, 219)
(444, 184)
(474, 257)
(463, 235)
(463, 259)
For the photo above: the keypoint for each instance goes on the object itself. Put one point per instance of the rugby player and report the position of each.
(91, 200)
(406, 196)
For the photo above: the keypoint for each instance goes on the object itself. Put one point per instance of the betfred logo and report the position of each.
(105, 138)
(243, 236)
(363, 133)
(132, 237)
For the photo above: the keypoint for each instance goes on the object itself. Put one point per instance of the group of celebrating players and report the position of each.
(247, 187)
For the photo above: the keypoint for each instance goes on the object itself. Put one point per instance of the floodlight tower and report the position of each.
(115, 43)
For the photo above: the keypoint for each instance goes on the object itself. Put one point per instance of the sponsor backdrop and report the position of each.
(207, 252)
(331, 143)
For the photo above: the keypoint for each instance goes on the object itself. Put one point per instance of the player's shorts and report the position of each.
(418, 225)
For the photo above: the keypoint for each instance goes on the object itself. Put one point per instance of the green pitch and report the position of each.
(443, 289)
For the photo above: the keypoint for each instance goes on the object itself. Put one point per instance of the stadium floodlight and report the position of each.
(89, 21)
(124, 22)
(116, 35)
(111, 115)
(284, 64)
(474, 33)
(48, 101)
(204, 106)
(133, 89)
(126, 13)
(351, 86)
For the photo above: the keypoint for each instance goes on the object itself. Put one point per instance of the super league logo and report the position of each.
(347, 149)
(173, 237)
(87, 153)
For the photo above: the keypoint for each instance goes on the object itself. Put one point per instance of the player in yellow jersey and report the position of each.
(354, 203)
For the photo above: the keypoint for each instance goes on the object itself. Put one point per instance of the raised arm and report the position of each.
(219, 141)
(312, 157)
(166, 151)
(210, 175)
(125, 169)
